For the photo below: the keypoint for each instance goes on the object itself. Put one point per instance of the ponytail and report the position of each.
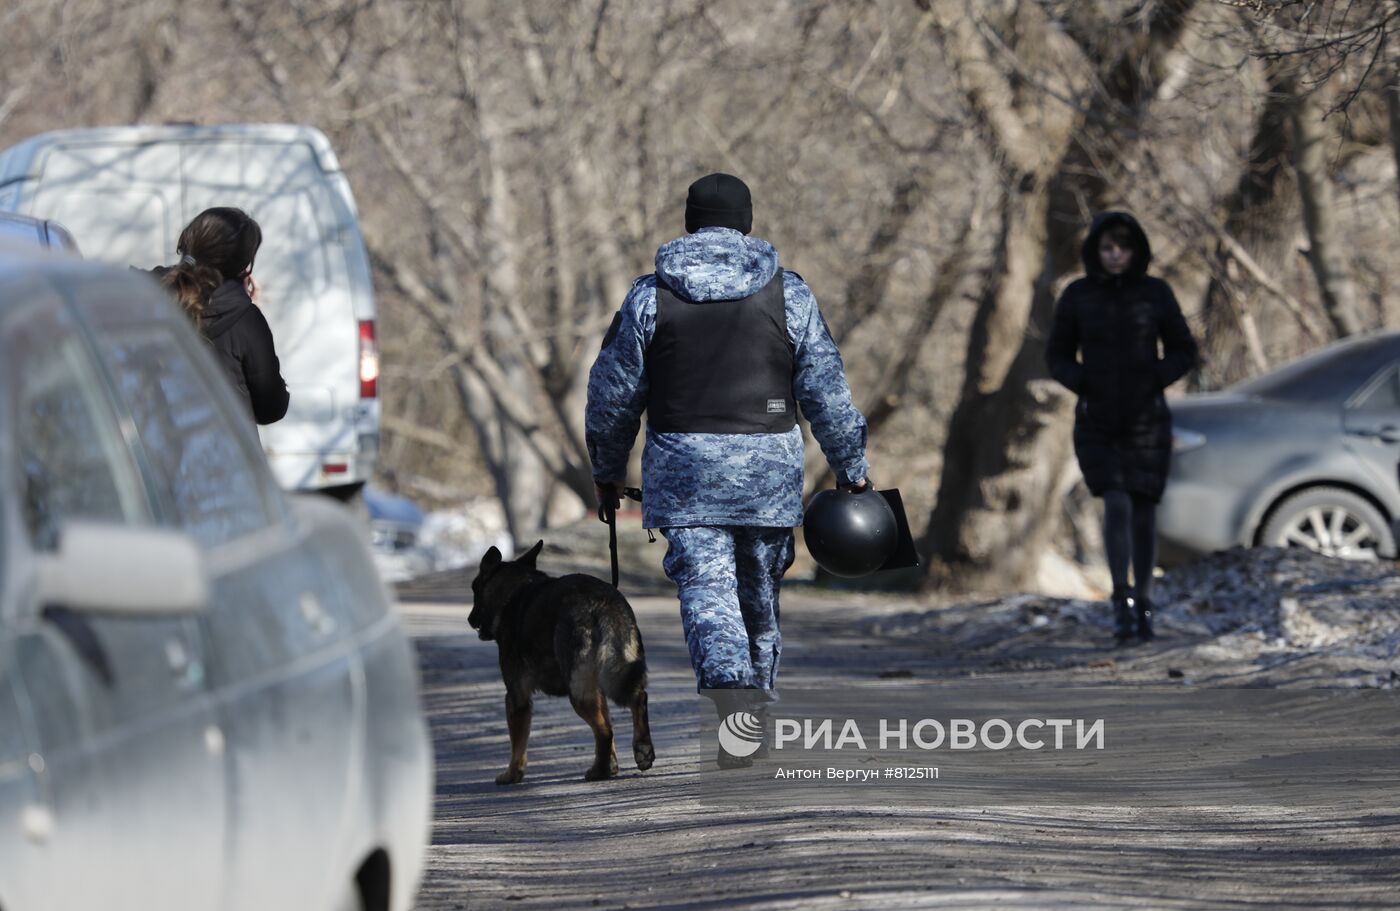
(191, 284)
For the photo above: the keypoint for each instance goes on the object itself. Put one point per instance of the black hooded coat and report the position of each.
(239, 332)
(242, 341)
(1104, 347)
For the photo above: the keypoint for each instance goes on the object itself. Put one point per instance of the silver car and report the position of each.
(21, 231)
(206, 699)
(1307, 456)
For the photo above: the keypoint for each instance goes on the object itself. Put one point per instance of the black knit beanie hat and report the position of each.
(718, 201)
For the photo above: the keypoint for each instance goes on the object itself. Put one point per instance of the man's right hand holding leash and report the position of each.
(609, 494)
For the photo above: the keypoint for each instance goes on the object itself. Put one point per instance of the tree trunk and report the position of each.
(1391, 89)
(1009, 435)
(1319, 217)
(1260, 215)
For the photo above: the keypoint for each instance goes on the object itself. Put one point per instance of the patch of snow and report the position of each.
(460, 535)
(1243, 617)
(1060, 577)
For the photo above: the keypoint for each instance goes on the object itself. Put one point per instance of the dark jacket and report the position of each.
(239, 332)
(242, 341)
(1104, 347)
(752, 479)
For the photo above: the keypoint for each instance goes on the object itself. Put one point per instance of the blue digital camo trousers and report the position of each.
(728, 579)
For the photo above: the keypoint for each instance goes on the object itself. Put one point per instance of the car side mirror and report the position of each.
(121, 570)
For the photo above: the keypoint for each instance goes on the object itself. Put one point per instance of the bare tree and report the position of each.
(1255, 240)
(1311, 164)
(1324, 39)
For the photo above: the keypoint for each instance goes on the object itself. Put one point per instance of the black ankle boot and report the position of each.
(761, 713)
(1144, 619)
(727, 760)
(727, 703)
(1123, 630)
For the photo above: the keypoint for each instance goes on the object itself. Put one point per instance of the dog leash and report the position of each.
(607, 512)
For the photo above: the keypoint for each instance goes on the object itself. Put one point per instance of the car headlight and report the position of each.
(1184, 440)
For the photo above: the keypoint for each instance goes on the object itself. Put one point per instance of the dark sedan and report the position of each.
(1307, 455)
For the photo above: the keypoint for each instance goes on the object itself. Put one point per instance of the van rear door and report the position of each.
(121, 199)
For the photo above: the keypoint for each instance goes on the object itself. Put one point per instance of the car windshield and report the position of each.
(1329, 375)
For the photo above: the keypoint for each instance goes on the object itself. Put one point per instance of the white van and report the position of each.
(126, 192)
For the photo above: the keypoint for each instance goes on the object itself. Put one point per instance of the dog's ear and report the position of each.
(490, 560)
(530, 555)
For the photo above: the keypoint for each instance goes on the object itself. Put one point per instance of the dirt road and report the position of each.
(644, 840)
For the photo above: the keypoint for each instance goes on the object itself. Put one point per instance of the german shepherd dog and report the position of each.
(573, 636)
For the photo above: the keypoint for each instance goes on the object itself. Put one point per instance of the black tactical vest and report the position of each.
(721, 366)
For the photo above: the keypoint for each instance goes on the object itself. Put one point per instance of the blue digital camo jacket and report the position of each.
(720, 478)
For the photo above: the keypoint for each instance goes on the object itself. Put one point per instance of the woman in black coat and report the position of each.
(1104, 347)
(213, 283)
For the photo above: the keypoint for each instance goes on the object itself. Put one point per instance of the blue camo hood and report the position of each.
(715, 264)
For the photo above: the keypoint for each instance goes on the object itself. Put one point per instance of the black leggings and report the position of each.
(1130, 534)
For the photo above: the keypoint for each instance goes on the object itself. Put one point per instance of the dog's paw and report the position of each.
(600, 772)
(511, 776)
(644, 754)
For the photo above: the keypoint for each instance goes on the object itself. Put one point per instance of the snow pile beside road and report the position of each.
(1290, 598)
(1243, 617)
(459, 536)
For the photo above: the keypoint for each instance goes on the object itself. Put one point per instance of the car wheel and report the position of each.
(1331, 521)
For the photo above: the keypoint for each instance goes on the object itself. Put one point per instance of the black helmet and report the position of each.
(850, 534)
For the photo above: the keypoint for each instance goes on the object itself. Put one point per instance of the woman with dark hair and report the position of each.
(213, 283)
(1104, 346)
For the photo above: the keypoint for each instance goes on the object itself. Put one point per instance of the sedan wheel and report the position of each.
(1330, 521)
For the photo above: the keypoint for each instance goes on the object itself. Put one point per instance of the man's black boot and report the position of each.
(1144, 619)
(728, 702)
(1123, 630)
(761, 713)
(727, 760)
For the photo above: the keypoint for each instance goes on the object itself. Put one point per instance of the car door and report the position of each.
(1372, 423)
(20, 809)
(288, 689)
(129, 811)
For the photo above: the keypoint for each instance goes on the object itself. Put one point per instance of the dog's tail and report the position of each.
(623, 671)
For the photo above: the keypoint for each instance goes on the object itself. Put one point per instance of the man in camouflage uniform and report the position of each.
(726, 501)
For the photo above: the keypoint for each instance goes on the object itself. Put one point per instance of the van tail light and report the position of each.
(369, 361)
